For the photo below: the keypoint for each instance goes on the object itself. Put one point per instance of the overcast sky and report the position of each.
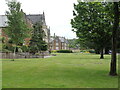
(58, 13)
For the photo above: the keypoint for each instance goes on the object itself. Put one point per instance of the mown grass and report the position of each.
(62, 71)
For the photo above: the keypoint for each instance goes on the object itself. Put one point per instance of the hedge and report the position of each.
(64, 51)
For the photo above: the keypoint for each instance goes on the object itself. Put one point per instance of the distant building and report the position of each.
(58, 43)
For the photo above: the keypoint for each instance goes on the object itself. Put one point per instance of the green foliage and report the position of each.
(24, 48)
(87, 51)
(118, 50)
(44, 46)
(6, 50)
(8, 47)
(17, 29)
(73, 43)
(3, 40)
(61, 51)
(89, 23)
(64, 51)
(4, 46)
(54, 51)
(92, 51)
(10, 41)
(37, 43)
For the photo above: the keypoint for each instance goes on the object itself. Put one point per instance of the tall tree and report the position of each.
(17, 29)
(37, 43)
(73, 43)
(114, 39)
(90, 23)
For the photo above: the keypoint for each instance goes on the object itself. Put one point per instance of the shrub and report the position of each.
(3, 40)
(5, 50)
(83, 51)
(37, 54)
(91, 51)
(4, 46)
(9, 47)
(54, 51)
(87, 51)
(10, 41)
(25, 48)
(64, 51)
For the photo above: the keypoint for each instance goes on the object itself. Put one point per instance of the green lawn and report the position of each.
(61, 71)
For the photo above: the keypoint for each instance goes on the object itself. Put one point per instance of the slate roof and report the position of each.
(3, 21)
(51, 39)
(35, 18)
(62, 39)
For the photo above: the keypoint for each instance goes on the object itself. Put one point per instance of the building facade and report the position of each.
(30, 20)
(58, 43)
(40, 18)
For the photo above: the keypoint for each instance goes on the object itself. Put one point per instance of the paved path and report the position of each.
(47, 56)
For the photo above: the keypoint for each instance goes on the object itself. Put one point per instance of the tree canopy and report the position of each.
(17, 29)
(92, 23)
(37, 43)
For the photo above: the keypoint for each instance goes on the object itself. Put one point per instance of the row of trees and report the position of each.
(96, 25)
(17, 29)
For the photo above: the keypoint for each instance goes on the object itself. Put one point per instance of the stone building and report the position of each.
(3, 25)
(35, 18)
(30, 20)
(58, 43)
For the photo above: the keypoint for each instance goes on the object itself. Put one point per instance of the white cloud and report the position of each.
(58, 13)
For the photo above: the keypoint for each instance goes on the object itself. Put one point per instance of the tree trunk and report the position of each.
(14, 53)
(106, 51)
(114, 38)
(101, 53)
(97, 51)
(42, 54)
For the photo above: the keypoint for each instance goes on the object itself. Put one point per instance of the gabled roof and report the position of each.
(35, 18)
(3, 21)
(62, 39)
(32, 17)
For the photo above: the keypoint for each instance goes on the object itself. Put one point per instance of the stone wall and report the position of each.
(23, 55)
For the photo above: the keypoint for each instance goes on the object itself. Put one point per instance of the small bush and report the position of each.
(5, 50)
(37, 54)
(87, 51)
(9, 47)
(4, 46)
(25, 48)
(91, 51)
(54, 51)
(10, 41)
(64, 51)
(83, 51)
